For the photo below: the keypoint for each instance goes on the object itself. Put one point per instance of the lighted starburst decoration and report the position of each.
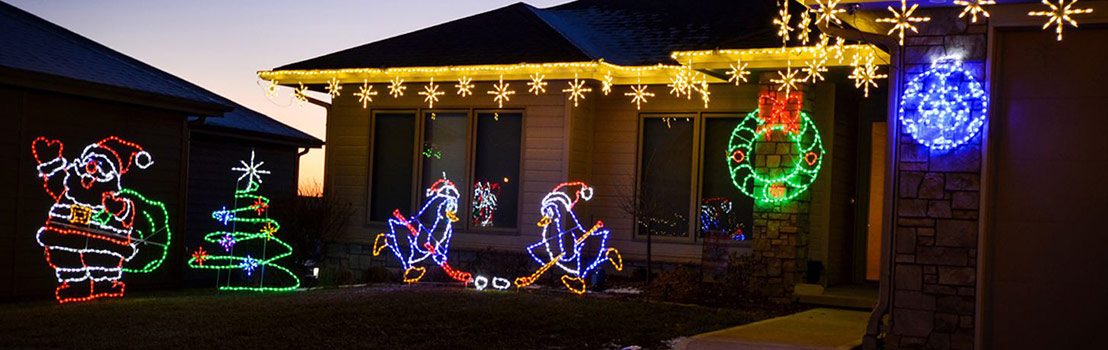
(271, 89)
(679, 83)
(814, 69)
(268, 230)
(702, 88)
(464, 85)
(576, 90)
(974, 7)
(300, 94)
(638, 94)
(248, 265)
(431, 93)
(365, 93)
(866, 75)
(738, 72)
(1059, 15)
(260, 206)
(334, 87)
(252, 171)
(396, 87)
(200, 255)
(903, 20)
(606, 84)
(537, 85)
(840, 47)
(803, 29)
(500, 92)
(782, 23)
(787, 80)
(826, 12)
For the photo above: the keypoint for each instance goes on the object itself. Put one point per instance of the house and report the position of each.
(145, 138)
(982, 233)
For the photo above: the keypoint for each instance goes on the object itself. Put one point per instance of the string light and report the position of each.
(431, 93)
(485, 194)
(638, 95)
(396, 87)
(773, 186)
(228, 239)
(787, 80)
(866, 75)
(973, 7)
(782, 22)
(537, 86)
(501, 93)
(559, 226)
(413, 242)
(1059, 15)
(90, 231)
(944, 107)
(738, 72)
(903, 19)
(365, 94)
(334, 88)
(715, 215)
(464, 86)
(576, 90)
(827, 11)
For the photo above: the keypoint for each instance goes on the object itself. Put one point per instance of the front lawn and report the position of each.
(421, 317)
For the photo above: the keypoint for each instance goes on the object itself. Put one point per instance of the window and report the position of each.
(391, 180)
(665, 176)
(445, 153)
(496, 170)
(723, 211)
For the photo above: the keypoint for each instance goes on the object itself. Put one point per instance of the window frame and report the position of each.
(700, 170)
(417, 140)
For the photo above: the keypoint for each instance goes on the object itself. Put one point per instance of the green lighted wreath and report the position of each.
(766, 185)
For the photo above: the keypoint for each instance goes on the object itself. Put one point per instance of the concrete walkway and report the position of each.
(812, 329)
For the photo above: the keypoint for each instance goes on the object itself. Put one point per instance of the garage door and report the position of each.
(1047, 264)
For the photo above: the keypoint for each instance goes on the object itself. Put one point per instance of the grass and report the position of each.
(383, 317)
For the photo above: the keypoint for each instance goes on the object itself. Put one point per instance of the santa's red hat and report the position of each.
(124, 153)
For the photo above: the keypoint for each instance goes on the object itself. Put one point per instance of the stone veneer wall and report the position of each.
(934, 269)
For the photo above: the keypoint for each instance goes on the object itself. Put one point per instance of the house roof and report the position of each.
(32, 44)
(622, 32)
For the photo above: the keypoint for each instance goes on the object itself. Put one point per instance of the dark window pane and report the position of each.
(666, 175)
(444, 145)
(393, 138)
(496, 175)
(724, 211)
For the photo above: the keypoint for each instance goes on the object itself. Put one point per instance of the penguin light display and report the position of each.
(413, 242)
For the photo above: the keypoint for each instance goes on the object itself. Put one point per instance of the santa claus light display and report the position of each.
(96, 229)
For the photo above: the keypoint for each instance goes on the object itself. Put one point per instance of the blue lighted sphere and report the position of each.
(944, 107)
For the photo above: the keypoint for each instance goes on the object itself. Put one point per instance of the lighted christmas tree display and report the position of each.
(248, 240)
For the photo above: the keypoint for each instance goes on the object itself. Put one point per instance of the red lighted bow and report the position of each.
(784, 112)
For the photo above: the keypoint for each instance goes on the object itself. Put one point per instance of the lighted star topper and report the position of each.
(431, 93)
(826, 12)
(787, 80)
(638, 94)
(464, 85)
(866, 75)
(251, 170)
(576, 90)
(782, 23)
(1060, 14)
(300, 94)
(973, 7)
(501, 93)
(606, 84)
(334, 88)
(537, 86)
(738, 72)
(815, 68)
(903, 20)
(365, 94)
(396, 87)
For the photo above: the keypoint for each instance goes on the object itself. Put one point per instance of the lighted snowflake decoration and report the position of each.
(227, 242)
(1059, 15)
(465, 86)
(537, 85)
(251, 171)
(224, 216)
(974, 7)
(826, 12)
(638, 94)
(803, 29)
(365, 94)
(606, 84)
(501, 93)
(814, 69)
(268, 230)
(866, 75)
(943, 107)
(396, 87)
(787, 80)
(679, 84)
(738, 72)
(903, 20)
(782, 23)
(200, 255)
(705, 95)
(300, 94)
(248, 265)
(839, 48)
(334, 87)
(271, 89)
(576, 90)
(431, 93)
(260, 206)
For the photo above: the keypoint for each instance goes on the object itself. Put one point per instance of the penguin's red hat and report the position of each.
(123, 153)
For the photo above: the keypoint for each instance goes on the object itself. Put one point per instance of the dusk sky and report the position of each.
(220, 45)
